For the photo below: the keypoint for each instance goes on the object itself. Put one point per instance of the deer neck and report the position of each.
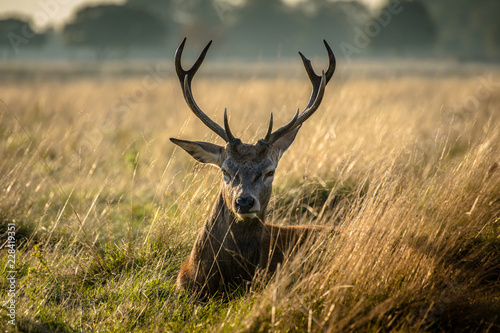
(222, 220)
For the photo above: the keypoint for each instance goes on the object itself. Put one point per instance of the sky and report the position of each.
(46, 12)
(55, 12)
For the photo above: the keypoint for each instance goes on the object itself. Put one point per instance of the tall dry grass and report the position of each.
(404, 166)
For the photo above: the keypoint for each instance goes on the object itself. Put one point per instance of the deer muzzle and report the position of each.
(246, 207)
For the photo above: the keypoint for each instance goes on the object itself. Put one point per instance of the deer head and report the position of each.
(247, 169)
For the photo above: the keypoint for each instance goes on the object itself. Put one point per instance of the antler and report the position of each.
(318, 90)
(185, 78)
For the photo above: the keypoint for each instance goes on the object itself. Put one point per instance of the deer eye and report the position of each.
(226, 175)
(269, 174)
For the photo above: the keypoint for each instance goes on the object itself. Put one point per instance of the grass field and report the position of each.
(105, 208)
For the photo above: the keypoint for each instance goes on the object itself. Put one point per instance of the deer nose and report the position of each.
(243, 205)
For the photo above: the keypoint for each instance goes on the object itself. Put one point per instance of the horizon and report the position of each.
(55, 13)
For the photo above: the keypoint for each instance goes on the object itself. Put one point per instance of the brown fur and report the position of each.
(229, 250)
(227, 253)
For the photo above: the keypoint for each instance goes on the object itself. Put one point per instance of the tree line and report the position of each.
(273, 29)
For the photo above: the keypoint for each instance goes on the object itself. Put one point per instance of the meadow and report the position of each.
(403, 163)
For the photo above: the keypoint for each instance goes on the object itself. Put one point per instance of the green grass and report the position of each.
(106, 208)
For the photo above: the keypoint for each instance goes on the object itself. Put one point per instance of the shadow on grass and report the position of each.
(47, 325)
(24, 231)
(466, 294)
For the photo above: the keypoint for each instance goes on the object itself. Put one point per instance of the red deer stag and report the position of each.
(235, 241)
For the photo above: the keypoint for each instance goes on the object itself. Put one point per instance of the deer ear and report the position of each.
(282, 144)
(203, 152)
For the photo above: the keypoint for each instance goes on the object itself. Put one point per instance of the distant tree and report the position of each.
(16, 34)
(335, 21)
(198, 20)
(162, 8)
(408, 31)
(274, 28)
(265, 28)
(467, 28)
(182, 11)
(114, 27)
(493, 42)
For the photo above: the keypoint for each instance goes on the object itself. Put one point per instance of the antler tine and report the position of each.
(318, 90)
(181, 73)
(332, 62)
(230, 136)
(298, 120)
(317, 101)
(188, 96)
(269, 129)
(313, 77)
(185, 78)
(272, 137)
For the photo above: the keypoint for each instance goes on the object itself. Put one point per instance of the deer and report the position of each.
(235, 242)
